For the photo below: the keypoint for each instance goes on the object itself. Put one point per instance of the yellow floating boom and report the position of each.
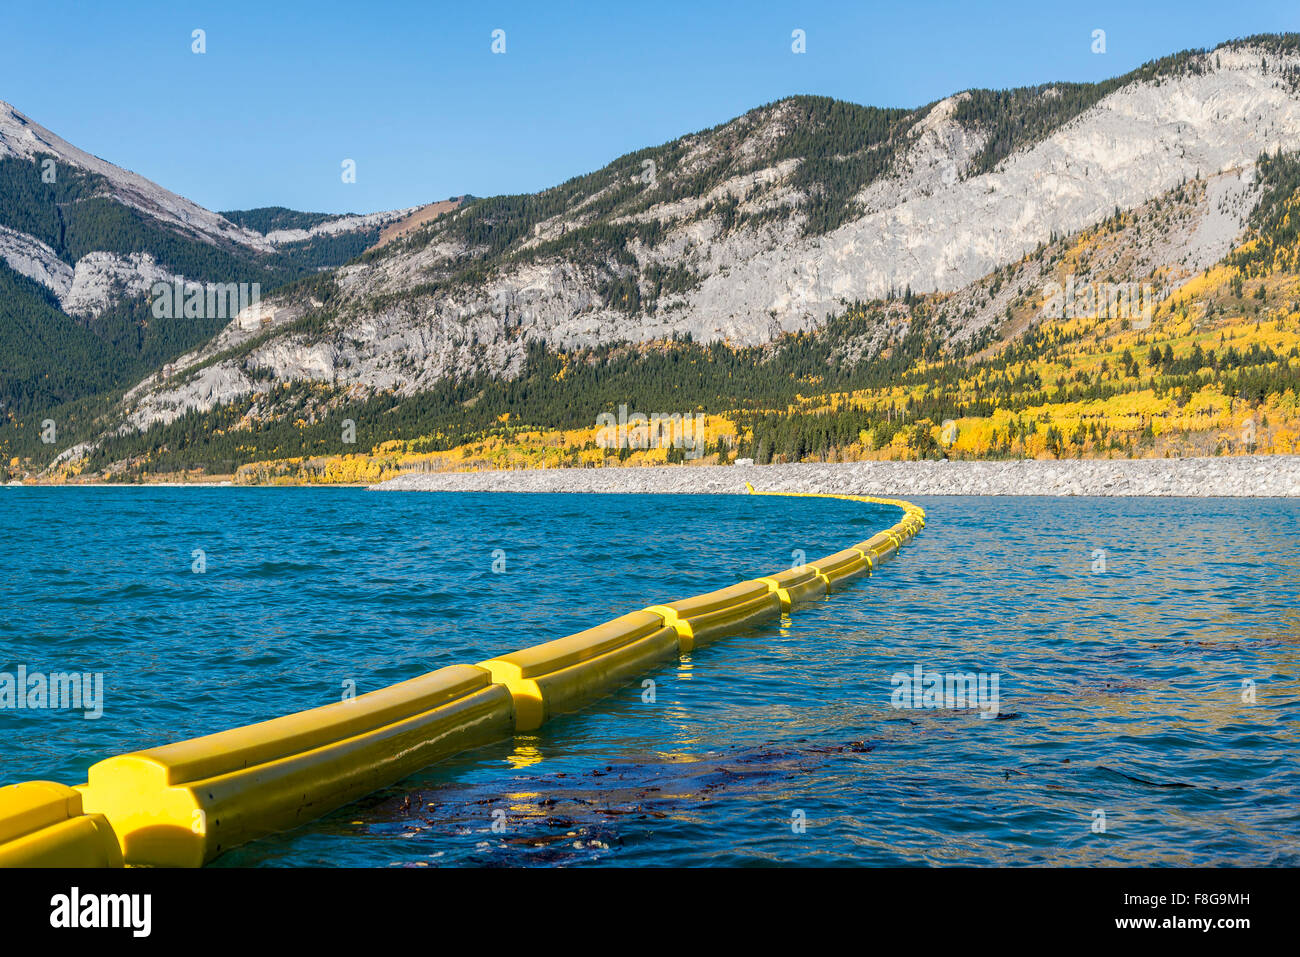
(182, 804)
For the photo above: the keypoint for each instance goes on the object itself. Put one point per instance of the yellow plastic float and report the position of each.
(43, 824)
(181, 805)
(565, 674)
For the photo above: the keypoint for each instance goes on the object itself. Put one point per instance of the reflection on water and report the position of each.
(1159, 696)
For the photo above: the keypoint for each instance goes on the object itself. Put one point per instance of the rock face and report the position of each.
(1236, 477)
(930, 222)
(32, 258)
(98, 281)
(102, 279)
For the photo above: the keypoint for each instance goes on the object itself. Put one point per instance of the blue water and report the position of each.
(1120, 690)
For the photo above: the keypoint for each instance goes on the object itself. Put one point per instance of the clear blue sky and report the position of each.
(412, 92)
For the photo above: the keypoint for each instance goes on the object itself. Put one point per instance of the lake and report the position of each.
(1143, 651)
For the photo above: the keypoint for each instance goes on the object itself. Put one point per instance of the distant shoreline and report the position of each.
(1259, 476)
(1246, 476)
(181, 485)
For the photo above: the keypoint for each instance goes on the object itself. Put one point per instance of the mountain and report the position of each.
(928, 232)
(82, 243)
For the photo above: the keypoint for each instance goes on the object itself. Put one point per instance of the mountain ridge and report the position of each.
(759, 228)
(737, 270)
(98, 239)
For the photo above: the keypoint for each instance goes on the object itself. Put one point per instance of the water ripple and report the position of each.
(1158, 695)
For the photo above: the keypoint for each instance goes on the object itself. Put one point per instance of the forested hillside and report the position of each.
(266, 219)
(1216, 372)
(820, 279)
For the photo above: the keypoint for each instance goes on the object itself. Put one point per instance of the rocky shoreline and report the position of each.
(1261, 476)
